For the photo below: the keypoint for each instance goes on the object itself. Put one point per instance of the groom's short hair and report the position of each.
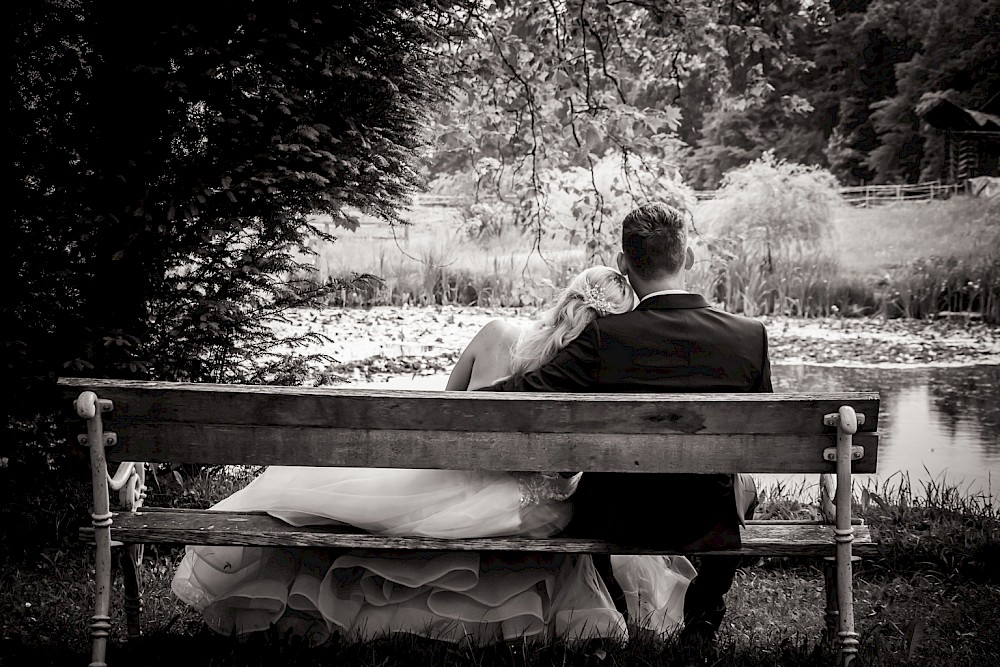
(654, 239)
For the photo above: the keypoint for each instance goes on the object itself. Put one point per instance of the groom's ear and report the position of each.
(688, 258)
(622, 264)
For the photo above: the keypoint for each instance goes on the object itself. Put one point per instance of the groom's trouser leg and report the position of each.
(705, 600)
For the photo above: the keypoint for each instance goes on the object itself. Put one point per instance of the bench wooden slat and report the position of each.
(474, 411)
(379, 448)
(270, 425)
(204, 527)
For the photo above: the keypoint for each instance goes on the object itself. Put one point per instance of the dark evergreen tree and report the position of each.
(883, 57)
(958, 57)
(780, 116)
(166, 159)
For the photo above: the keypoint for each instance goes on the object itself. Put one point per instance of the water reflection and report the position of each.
(937, 424)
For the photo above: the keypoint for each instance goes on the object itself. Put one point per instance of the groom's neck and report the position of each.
(659, 284)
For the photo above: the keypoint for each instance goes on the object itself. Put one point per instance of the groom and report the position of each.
(673, 341)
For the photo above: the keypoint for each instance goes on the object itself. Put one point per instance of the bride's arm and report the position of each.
(485, 340)
(461, 374)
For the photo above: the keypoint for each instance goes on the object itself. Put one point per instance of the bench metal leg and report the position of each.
(832, 614)
(131, 559)
(89, 407)
(130, 480)
(847, 426)
(100, 622)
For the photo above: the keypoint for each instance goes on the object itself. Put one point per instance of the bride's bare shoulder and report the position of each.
(498, 331)
(482, 358)
(494, 334)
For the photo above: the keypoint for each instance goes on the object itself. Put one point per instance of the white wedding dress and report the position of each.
(453, 596)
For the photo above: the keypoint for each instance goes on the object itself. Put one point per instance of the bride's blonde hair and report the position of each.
(593, 293)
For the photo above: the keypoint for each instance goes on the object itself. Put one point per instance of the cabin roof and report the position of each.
(946, 115)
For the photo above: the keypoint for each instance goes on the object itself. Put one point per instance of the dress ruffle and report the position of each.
(453, 596)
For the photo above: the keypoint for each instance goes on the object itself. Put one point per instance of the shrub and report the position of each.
(769, 235)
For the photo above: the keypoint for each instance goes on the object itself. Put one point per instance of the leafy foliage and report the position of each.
(706, 87)
(164, 185)
(729, 131)
(968, 76)
(591, 200)
(847, 94)
(548, 88)
(777, 204)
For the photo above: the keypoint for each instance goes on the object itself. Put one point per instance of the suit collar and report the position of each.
(674, 301)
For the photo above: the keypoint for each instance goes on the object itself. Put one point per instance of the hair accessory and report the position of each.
(594, 298)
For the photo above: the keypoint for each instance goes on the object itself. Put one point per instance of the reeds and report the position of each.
(938, 527)
(444, 267)
(915, 260)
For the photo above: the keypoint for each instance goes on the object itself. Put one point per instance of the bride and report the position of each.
(453, 596)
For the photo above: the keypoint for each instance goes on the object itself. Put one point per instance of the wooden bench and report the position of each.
(129, 422)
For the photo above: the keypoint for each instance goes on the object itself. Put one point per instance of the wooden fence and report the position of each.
(871, 195)
(868, 195)
(860, 195)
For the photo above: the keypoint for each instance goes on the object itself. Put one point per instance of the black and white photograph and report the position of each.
(539, 333)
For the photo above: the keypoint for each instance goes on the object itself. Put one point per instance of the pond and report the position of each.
(939, 425)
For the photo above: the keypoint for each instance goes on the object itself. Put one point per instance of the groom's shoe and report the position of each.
(697, 643)
(698, 633)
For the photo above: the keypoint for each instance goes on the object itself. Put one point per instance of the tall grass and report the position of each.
(449, 267)
(912, 260)
(937, 527)
(922, 259)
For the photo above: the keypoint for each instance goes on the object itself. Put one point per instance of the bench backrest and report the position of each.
(272, 425)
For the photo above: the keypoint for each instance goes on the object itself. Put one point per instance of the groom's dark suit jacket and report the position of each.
(669, 343)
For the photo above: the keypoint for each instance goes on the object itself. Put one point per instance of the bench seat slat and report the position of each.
(206, 527)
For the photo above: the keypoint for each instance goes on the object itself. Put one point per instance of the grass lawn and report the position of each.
(774, 618)
(867, 240)
(932, 597)
(870, 241)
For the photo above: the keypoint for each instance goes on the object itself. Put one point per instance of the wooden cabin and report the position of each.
(972, 138)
